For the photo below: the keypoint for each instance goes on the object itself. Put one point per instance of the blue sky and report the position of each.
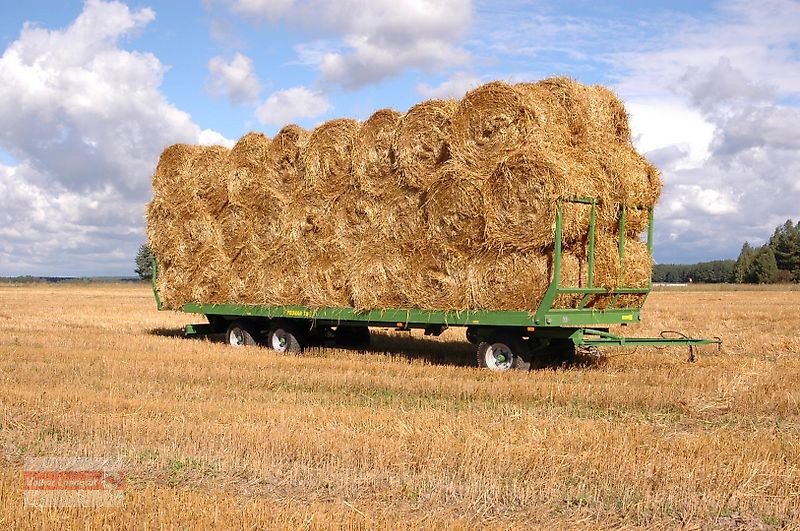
(91, 92)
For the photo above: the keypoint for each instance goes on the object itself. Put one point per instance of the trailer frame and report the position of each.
(546, 326)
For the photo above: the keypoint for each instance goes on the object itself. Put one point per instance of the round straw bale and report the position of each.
(372, 279)
(252, 179)
(371, 152)
(564, 111)
(511, 281)
(421, 141)
(608, 119)
(174, 164)
(322, 275)
(636, 183)
(327, 157)
(209, 171)
(455, 208)
(490, 123)
(284, 154)
(435, 279)
(522, 196)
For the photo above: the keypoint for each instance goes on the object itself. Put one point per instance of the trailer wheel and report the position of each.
(352, 336)
(503, 353)
(472, 335)
(284, 339)
(239, 334)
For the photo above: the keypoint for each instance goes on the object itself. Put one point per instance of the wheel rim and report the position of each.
(236, 337)
(499, 357)
(279, 341)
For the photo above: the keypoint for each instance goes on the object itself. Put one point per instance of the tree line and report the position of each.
(778, 260)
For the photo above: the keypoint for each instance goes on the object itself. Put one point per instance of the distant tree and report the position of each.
(785, 243)
(742, 265)
(144, 262)
(763, 268)
(707, 272)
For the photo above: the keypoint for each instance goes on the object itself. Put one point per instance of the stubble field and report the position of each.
(406, 436)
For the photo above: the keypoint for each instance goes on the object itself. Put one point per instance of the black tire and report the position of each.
(472, 335)
(352, 336)
(503, 353)
(240, 334)
(284, 338)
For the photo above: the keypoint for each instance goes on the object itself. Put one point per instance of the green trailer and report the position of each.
(505, 339)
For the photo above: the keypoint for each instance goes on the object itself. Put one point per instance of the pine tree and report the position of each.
(785, 243)
(144, 262)
(742, 265)
(763, 268)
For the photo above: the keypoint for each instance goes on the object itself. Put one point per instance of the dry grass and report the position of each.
(214, 436)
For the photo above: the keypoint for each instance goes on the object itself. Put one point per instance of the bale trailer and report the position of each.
(505, 339)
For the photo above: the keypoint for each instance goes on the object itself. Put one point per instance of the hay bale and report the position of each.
(450, 206)
(209, 173)
(564, 109)
(250, 173)
(422, 142)
(373, 277)
(435, 278)
(326, 158)
(512, 281)
(455, 209)
(372, 158)
(491, 123)
(607, 118)
(179, 194)
(284, 154)
(521, 201)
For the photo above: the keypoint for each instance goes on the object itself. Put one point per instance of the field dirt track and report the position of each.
(218, 437)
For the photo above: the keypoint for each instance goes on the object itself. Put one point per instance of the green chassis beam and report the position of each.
(394, 317)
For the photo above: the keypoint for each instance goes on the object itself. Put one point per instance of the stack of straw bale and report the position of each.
(451, 205)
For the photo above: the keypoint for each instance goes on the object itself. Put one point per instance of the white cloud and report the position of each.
(454, 87)
(262, 9)
(86, 122)
(711, 101)
(285, 106)
(671, 123)
(377, 38)
(235, 80)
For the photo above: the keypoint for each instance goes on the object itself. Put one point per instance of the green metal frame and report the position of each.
(585, 326)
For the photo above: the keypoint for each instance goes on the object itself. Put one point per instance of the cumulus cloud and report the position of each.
(297, 103)
(86, 121)
(262, 9)
(376, 39)
(234, 79)
(732, 83)
(454, 87)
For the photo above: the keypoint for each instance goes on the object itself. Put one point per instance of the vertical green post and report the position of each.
(592, 221)
(550, 295)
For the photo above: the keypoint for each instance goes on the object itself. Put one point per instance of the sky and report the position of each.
(92, 92)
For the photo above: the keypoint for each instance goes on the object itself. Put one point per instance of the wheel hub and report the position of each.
(499, 357)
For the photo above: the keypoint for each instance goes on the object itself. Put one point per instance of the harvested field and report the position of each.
(407, 436)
